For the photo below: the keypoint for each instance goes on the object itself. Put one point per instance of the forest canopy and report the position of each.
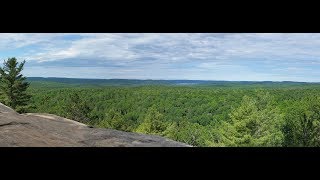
(208, 115)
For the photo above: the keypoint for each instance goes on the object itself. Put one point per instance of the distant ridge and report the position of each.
(59, 79)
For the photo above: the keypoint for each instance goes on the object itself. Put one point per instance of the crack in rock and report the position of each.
(13, 123)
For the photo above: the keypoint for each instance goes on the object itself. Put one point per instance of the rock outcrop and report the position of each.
(47, 130)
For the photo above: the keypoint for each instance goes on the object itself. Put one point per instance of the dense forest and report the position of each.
(200, 114)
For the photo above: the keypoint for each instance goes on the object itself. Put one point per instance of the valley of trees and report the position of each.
(200, 116)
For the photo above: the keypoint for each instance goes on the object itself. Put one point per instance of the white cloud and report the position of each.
(192, 55)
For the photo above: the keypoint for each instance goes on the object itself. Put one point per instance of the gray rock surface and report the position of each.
(47, 130)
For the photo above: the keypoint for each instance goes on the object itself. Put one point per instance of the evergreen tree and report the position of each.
(78, 109)
(13, 85)
(255, 123)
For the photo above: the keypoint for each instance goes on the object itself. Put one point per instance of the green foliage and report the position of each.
(153, 123)
(191, 133)
(303, 123)
(255, 123)
(115, 120)
(77, 109)
(233, 115)
(13, 85)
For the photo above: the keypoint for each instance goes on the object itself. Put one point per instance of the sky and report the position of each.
(194, 56)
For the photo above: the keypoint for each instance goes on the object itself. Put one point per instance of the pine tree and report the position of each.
(78, 109)
(256, 122)
(13, 85)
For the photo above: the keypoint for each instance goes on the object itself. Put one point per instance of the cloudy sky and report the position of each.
(205, 56)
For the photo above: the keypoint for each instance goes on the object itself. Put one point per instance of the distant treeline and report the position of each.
(135, 82)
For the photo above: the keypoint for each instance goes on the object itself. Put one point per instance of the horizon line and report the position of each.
(170, 79)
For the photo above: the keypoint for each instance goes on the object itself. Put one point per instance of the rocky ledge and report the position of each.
(47, 130)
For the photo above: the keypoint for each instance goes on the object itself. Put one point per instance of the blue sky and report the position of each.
(203, 56)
